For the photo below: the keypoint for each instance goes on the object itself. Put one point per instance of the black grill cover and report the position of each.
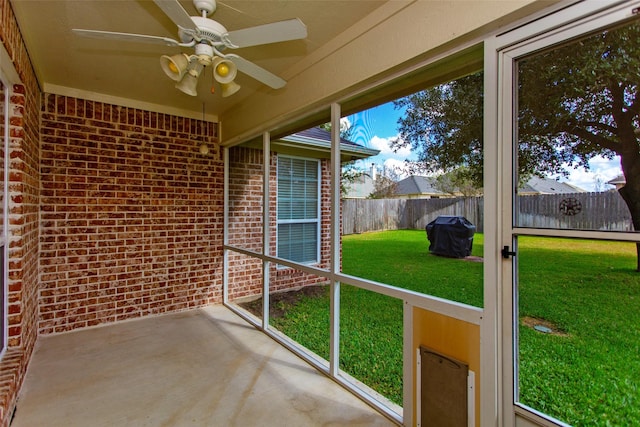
(450, 236)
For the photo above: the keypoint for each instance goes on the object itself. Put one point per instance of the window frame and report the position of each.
(4, 262)
(316, 220)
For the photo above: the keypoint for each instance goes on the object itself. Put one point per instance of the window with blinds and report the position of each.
(298, 209)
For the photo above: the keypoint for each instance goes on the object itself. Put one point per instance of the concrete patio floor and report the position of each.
(204, 367)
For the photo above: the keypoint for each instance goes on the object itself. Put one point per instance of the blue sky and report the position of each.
(374, 128)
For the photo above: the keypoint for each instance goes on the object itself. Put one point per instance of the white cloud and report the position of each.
(387, 159)
(382, 144)
(600, 170)
(345, 124)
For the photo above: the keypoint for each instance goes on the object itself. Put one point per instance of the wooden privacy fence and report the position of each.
(584, 211)
(362, 215)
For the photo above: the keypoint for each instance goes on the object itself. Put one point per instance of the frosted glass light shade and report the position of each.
(174, 66)
(229, 89)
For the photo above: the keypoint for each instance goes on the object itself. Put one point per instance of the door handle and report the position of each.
(506, 253)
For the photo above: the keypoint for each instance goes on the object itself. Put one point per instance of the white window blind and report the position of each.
(298, 202)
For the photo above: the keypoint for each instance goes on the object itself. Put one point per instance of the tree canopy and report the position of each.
(574, 101)
(443, 125)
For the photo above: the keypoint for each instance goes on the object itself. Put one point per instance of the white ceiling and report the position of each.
(115, 70)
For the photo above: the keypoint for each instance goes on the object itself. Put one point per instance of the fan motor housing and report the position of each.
(210, 30)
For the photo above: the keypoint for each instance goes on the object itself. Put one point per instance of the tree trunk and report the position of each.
(631, 195)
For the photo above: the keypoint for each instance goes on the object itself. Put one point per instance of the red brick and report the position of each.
(133, 192)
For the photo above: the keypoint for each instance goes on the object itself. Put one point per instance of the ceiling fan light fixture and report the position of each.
(189, 82)
(229, 89)
(224, 70)
(208, 38)
(175, 66)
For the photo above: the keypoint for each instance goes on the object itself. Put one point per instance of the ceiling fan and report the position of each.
(210, 39)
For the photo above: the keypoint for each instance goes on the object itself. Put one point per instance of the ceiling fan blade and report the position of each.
(257, 72)
(176, 12)
(292, 29)
(140, 38)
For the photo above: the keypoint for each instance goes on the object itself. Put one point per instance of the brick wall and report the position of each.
(23, 215)
(245, 220)
(23, 212)
(245, 225)
(131, 214)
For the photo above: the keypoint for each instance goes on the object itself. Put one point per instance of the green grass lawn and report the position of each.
(588, 373)
(591, 292)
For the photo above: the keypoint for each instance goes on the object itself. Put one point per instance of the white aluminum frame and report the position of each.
(266, 230)
(9, 77)
(410, 299)
(334, 262)
(500, 54)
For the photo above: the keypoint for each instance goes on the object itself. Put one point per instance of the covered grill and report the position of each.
(451, 236)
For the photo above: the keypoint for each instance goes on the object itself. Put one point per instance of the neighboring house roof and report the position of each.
(537, 185)
(418, 185)
(316, 142)
(423, 186)
(619, 181)
(324, 135)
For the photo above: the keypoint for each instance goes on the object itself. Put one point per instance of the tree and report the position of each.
(575, 101)
(457, 182)
(443, 126)
(385, 185)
